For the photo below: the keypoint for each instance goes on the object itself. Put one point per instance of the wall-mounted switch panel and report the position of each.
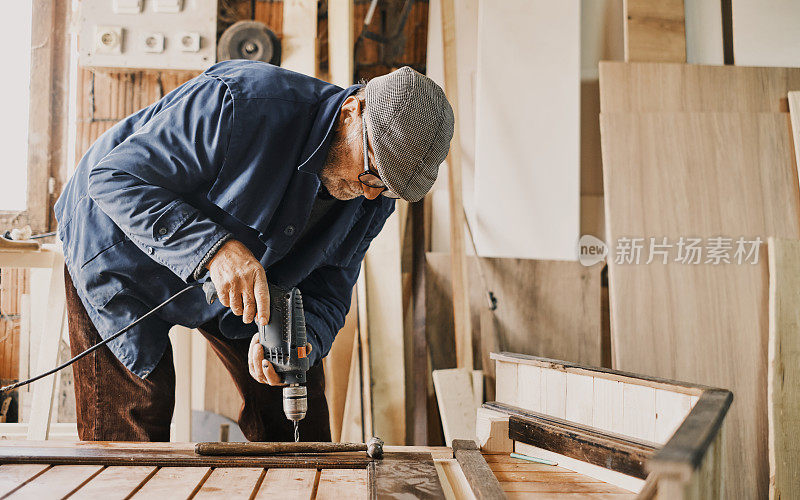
(148, 34)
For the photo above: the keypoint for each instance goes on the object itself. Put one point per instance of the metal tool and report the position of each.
(373, 447)
(284, 342)
(249, 40)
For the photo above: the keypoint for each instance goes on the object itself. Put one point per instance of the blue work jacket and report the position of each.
(235, 151)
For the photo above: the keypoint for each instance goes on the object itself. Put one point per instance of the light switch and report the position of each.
(127, 6)
(169, 6)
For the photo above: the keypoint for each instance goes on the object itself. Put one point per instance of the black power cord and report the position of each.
(99, 344)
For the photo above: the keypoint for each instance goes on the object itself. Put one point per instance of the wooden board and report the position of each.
(704, 42)
(299, 41)
(700, 175)
(296, 484)
(386, 344)
(335, 484)
(794, 108)
(766, 36)
(239, 482)
(57, 482)
(783, 378)
(111, 482)
(647, 87)
(546, 308)
(454, 393)
(176, 482)
(654, 31)
(528, 169)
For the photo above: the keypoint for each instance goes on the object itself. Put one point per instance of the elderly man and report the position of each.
(247, 173)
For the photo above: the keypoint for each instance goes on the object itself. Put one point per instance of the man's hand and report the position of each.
(241, 282)
(261, 369)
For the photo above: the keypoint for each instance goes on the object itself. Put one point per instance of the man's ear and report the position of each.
(351, 109)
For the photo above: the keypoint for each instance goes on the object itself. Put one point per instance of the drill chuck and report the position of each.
(295, 403)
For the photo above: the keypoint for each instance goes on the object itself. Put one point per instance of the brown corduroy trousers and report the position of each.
(113, 404)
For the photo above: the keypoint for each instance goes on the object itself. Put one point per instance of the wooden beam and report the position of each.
(419, 339)
(456, 398)
(481, 479)
(299, 42)
(47, 117)
(461, 312)
(340, 42)
(612, 451)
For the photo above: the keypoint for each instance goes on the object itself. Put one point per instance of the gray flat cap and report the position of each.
(410, 125)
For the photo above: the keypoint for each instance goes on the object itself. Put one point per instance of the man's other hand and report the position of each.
(261, 369)
(241, 282)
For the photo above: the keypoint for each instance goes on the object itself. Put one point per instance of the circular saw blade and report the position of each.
(249, 40)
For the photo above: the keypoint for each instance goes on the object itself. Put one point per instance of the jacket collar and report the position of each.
(316, 147)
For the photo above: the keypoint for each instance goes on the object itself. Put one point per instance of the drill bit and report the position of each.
(296, 432)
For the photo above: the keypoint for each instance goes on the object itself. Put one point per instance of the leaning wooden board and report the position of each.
(700, 175)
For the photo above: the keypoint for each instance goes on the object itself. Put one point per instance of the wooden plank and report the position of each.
(603, 373)
(14, 476)
(550, 308)
(174, 482)
(630, 483)
(511, 146)
(419, 339)
(353, 414)
(607, 405)
(507, 383)
(480, 477)
(704, 40)
(181, 339)
(386, 343)
(580, 389)
(42, 404)
(701, 334)
(337, 369)
(456, 403)
(654, 31)
(529, 387)
(783, 377)
(639, 411)
(454, 482)
(586, 444)
(340, 42)
(766, 37)
(115, 482)
(363, 337)
(458, 266)
(232, 482)
(292, 484)
(299, 41)
(57, 482)
(335, 484)
(554, 393)
(650, 87)
(671, 409)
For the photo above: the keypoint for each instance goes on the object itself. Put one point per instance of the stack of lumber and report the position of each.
(699, 152)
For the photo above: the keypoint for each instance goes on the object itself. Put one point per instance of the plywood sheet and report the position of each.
(545, 308)
(645, 87)
(701, 175)
(766, 34)
(527, 157)
(783, 379)
(655, 30)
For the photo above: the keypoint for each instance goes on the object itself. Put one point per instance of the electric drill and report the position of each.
(284, 342)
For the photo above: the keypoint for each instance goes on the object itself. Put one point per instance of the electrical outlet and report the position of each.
(108, 40)
(189, 41)
(153, 43)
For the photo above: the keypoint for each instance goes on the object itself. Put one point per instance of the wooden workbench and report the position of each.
(50, 469)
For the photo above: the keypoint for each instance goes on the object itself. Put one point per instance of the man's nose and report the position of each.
(371, 193)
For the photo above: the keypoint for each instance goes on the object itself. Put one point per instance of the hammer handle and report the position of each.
(277, 448)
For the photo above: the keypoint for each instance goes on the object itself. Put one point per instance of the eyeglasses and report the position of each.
(370, 177)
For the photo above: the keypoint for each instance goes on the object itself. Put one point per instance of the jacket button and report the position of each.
(150, 250)
(288, 230)
(162, 231)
